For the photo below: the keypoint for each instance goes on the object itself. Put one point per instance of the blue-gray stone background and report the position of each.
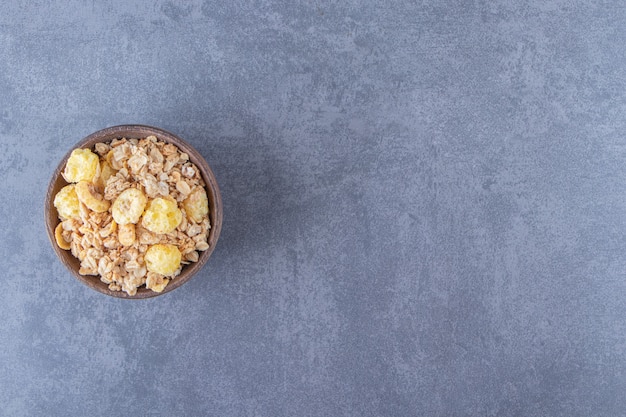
(424, 207)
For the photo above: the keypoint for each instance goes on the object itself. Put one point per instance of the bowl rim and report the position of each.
(130, 131)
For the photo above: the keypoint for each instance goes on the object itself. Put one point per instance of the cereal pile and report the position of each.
(135, 212)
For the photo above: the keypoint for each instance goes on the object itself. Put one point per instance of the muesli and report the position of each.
(134, 212)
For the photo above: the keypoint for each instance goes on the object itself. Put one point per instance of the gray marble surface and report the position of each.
(424, 208)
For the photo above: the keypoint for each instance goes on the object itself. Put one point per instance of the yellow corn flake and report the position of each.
(89, 197)
(66, 203)
(197, 205)
(109, 157)
(81, 165)
(58, 235)
(105, 173)
(128, 206)
(163, 259)
(162, 215)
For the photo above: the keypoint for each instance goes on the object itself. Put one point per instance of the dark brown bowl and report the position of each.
(136, 131)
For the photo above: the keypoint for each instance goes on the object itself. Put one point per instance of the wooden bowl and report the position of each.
(136, 131)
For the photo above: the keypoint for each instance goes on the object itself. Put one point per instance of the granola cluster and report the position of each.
(135, 212)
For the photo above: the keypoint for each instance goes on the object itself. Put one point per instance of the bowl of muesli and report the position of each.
(133, 211)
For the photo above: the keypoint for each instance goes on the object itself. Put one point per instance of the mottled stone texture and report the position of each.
(425, 205)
